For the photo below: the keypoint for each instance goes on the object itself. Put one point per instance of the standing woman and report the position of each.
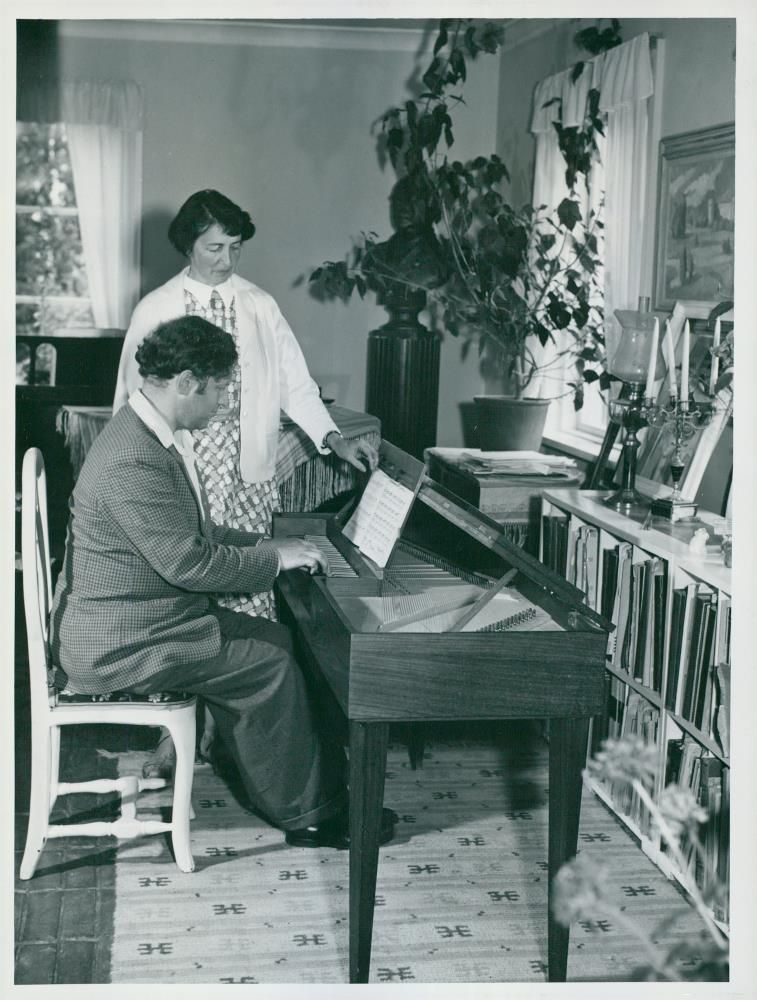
(236, 452)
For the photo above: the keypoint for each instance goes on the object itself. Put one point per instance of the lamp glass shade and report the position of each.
(630, 358)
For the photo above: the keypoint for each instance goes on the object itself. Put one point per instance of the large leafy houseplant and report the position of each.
(507, 281)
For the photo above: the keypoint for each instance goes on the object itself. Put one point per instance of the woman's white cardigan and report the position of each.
(274, 372)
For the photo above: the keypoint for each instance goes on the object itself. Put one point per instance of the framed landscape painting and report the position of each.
(695, 218)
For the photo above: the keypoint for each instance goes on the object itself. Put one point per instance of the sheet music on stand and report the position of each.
(376, 522)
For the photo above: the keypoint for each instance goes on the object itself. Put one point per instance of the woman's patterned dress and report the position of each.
(233, 503)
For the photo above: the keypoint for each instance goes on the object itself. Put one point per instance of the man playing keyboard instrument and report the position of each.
(133, 611)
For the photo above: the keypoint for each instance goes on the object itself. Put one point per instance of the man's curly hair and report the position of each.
(189, 343)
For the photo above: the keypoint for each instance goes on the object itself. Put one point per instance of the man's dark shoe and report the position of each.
(334, 832)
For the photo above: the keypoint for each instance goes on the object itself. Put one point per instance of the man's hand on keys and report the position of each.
(296, 553)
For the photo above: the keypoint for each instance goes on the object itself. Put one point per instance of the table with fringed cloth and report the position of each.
(305, 478)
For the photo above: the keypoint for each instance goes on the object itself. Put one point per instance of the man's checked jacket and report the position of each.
(141, 562)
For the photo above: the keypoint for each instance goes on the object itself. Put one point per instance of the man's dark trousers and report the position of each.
(257, 695)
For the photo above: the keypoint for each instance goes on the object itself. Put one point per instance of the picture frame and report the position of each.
(694, 247)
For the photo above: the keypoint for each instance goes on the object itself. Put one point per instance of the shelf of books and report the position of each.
(668, 660)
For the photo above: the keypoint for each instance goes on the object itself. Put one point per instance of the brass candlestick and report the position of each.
(685, 417)
(633, 413)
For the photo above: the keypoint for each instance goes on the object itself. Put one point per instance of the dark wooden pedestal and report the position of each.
(402, 384)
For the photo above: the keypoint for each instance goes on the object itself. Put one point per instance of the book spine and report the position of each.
(722, 713)
(704, 693)
(659, 598)
(694, 656)
(642, 605)
(684, 680)
(609, 580)
(591, 562)
(621, 606)
(676, 646)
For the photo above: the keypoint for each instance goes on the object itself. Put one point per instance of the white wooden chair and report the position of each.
(51, 710)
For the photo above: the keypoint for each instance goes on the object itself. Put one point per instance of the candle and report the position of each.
(715, 365)
(671, 357)
(652, 370)
(685, 363)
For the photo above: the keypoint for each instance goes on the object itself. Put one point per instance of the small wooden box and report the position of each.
(514, 502)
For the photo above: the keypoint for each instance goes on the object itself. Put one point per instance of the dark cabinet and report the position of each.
(85, 369)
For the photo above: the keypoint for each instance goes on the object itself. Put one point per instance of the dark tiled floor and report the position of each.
(64, 914)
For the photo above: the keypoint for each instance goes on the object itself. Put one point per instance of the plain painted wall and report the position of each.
(285, 131)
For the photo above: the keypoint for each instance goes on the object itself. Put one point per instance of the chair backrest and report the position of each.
(35, 559)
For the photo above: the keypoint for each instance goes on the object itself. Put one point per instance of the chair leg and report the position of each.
(182, 731)
(39, 801)
(54, 763)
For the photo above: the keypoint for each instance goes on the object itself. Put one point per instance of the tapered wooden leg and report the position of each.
(416, 745)
(567, 757)
(368, 743)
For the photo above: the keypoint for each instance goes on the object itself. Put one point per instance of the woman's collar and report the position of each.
(202, 292)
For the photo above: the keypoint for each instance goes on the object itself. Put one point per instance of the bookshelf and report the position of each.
(668, 661)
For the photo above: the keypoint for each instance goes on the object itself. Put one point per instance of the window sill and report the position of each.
(578, 445)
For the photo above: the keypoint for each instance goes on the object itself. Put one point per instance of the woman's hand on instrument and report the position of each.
(296, 553)
(354, 451)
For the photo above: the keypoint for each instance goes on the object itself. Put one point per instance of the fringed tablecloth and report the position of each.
(305, 478)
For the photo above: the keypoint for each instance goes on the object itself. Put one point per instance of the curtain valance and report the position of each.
(622, 75)
(116, 103)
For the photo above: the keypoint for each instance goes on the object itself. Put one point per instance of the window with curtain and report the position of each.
(618, 182)
(79, 202)
(104, 127)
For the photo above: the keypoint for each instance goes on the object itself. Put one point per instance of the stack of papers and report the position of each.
(517, 463)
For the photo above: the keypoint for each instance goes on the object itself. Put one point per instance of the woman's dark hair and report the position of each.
(189, 343)
(200, 211)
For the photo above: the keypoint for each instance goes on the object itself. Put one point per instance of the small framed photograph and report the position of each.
(694, 250)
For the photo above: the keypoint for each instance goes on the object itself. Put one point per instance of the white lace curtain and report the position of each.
(104, 128)
(623, 77)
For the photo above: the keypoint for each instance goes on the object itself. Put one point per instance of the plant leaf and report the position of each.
(569, 213)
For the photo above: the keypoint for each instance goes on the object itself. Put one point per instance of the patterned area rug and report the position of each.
(461, 891)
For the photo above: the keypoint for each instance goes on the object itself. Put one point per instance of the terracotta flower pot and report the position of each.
(504, 423)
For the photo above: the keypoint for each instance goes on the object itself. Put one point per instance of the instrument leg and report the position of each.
(368, 743)
(416, 744)
(567, 757)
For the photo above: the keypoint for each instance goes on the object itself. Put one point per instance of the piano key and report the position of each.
(338, 565)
